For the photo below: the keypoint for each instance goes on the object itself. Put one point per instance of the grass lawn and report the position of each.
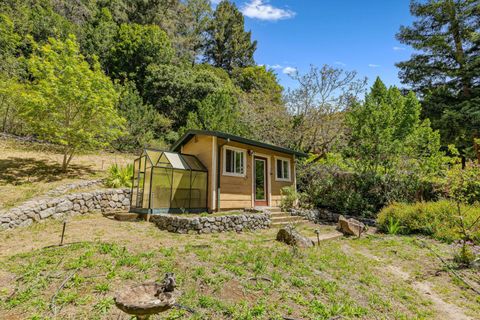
(31, 169)
(377, 277)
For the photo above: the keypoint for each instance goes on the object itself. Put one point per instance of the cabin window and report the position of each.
(283, 169)
(234, 160)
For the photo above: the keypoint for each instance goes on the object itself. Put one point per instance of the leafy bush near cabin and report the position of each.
(289, 197)
(441, 220)
(333, 183)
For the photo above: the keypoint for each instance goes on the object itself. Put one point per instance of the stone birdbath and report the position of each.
(148, 298)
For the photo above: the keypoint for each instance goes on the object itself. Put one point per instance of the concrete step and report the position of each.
(275, 209)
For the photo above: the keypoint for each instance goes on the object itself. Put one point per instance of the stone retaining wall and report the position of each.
(324, 215)
(239, 222)
(36, 210)
(75, 185)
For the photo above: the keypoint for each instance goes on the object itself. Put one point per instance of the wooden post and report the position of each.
(63, 232)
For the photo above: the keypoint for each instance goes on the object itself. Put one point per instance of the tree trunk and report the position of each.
(67, 157)
(459, 51)
(64, 163)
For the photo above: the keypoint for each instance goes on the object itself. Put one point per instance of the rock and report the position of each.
(126, 216)
(475, 264)
(66, 205)
(26, 223)
(291, 237)
(350, 226)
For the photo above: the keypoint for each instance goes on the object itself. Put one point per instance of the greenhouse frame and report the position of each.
(168, 182)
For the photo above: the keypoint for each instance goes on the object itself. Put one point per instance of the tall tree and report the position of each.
(135, 48)
(262, 105)
(318, 105)
(145, 126)
(219, 111)
(10, 70)
(69, 102)
(386, 131)
(99, 35)
(175, 91)
(446, 68)
(229, 45)
(192, 33)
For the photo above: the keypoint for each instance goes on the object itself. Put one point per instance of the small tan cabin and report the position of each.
(233, 173)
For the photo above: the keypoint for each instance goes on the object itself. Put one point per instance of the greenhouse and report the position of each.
(168, 182)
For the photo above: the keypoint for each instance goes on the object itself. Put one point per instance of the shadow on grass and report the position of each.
(17, 171)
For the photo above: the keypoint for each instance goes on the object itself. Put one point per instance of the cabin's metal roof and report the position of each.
(191, 133)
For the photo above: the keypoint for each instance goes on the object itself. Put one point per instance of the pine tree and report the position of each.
(446, 69)
(197, 15)
(229, 45)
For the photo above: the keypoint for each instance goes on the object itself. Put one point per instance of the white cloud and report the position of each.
(259, 9)
(275, 66)
(372, 65)
(398, 48)
(289, 70)
(340, 63)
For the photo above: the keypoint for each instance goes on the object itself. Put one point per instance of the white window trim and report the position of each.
(224, 162)
(289, 170)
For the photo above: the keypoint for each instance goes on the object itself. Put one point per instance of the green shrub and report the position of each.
(289, 197)
(463, 185)
(440, 219)
(119, 176)
(331, 184)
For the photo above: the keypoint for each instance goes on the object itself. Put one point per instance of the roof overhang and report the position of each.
(191, 133)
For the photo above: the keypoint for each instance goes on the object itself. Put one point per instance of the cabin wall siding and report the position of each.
(237, 192)
(201, 147)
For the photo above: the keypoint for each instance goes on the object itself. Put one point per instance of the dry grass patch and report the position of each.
(31, 169)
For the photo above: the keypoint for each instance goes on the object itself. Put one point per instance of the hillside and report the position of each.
(30, 169)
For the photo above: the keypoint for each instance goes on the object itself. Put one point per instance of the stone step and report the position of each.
(286, 223)
(286, 219)
(280, 214)
(275, 209)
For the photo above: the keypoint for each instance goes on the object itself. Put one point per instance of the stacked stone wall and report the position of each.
(234, 222)
(104, 200)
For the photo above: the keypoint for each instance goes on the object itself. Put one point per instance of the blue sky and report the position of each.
(352, 34)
